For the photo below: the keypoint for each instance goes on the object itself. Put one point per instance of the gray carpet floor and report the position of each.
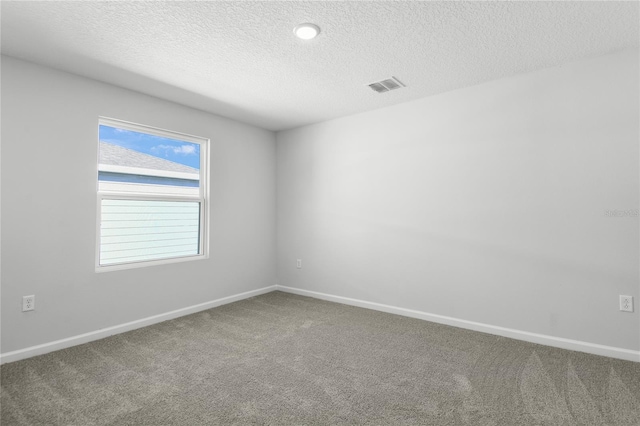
(283, 359)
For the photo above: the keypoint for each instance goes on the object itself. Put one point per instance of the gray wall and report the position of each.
(49, 169)
(484, 204)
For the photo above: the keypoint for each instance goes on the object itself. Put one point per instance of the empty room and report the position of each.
(320, 213)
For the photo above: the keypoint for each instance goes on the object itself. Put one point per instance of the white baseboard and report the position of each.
(117, 329)
(558, 342)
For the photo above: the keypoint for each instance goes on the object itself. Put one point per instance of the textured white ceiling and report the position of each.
(241, 60)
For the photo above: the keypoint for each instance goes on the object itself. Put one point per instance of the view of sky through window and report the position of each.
(170, 149)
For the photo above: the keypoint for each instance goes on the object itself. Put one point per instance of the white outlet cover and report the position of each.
(626, 303)
(28, 303)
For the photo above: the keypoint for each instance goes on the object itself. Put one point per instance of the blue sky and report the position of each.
(182, 152)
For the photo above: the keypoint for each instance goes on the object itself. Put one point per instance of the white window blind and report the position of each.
(134, 231)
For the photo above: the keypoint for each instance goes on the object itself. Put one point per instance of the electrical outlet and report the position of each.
(28, 303)
(626, 303)
(298, 263)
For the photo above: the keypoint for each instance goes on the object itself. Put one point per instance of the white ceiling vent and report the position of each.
(386, 85)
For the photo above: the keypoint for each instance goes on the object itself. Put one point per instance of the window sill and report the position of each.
(145, 264)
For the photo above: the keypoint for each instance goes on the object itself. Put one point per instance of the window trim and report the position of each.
(203, 198)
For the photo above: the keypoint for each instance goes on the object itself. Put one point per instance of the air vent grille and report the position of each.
(386, 85)
(378, 87)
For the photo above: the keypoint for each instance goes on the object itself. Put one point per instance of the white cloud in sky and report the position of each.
(178, 150)
(185, 149)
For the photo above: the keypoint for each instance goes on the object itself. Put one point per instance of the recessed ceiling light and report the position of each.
(306, 31)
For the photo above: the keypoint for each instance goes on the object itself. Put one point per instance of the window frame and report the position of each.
(202, 198)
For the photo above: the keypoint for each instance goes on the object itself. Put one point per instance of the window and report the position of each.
(152, 196)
